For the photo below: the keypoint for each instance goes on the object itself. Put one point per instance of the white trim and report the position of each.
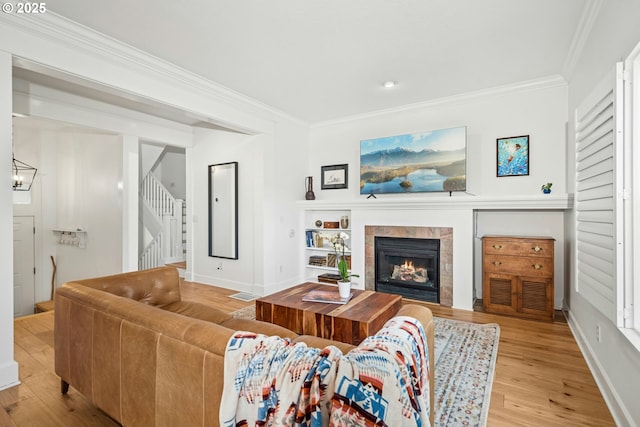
(541, 202)
(618, 411)
(526, 86)
(9, 374)
(587, 20)
(620, 222)
(61, 45)
(631, 289)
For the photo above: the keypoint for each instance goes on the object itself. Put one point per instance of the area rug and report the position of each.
(465, 360)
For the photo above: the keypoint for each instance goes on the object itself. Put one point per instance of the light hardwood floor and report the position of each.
(541, 378)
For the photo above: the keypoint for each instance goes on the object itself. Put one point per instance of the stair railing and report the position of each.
(152, 255)
(167, 245)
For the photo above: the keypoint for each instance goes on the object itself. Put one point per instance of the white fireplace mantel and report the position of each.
(537, 202)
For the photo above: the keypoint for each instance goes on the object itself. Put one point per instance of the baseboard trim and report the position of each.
(619, 413)
(9, 375)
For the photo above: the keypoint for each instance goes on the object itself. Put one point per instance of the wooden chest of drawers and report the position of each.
(518, 276)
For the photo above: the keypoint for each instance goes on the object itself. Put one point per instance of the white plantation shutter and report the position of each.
(599, 233)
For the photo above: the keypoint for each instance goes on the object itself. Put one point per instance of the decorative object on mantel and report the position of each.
(512, 156)
(433, 161)
(318, 223)
(339, 246)
(546, 188)
(344, 221)
(335, 177)
(309, 195)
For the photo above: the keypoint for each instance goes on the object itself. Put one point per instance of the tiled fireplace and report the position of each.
(431, 240)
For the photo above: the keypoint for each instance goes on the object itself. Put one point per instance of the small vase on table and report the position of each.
(344, 288)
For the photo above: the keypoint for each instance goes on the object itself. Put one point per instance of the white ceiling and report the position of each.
(322, 60)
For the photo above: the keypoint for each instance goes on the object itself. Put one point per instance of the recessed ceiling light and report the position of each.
(389, 84)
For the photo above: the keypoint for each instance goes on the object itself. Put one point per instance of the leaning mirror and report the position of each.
(223, 210)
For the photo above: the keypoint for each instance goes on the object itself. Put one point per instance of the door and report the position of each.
(24, 284)
(499, 293)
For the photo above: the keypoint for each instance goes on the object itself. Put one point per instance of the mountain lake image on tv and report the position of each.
(419, 162)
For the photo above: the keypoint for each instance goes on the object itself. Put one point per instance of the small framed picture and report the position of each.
(512, 156)
(334, 177)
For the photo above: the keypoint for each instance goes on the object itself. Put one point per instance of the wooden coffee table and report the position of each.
(363, 315)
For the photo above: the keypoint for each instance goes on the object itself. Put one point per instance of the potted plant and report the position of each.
(339, 246)
(546, 188)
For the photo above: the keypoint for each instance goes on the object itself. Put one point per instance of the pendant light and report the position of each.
(23, 175)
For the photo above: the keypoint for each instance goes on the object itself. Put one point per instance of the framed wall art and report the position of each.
(430, 161)
(334, 177)
(512, 156)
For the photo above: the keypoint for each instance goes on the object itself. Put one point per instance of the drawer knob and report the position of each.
(497, 263)
(496, 247)
(536, 266)
(536, 248)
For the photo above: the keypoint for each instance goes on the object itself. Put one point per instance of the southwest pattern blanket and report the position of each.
(270, 381)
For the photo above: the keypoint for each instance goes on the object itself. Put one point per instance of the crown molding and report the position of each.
(52, 26)
(525, 86)
(585, 25)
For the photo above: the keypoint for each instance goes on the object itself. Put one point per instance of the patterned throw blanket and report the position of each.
(270, 381)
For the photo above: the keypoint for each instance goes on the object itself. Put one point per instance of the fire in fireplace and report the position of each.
(408, 267)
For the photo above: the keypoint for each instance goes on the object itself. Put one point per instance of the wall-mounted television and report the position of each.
(430, 161)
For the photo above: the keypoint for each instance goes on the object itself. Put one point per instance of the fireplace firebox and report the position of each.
(408, 266)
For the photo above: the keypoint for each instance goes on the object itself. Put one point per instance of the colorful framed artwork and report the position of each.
(512, 156)
(431, 161)
(334, 177)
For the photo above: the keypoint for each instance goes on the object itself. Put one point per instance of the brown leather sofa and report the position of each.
(131, 345)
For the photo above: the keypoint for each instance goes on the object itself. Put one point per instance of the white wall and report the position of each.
(614, 361)
(78, 185)
(268, 250)
(213, 147)
(88, 196)
(172, 172)
(8, 367)
(536, 109)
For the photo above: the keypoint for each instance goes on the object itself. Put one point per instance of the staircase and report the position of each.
(164, 222)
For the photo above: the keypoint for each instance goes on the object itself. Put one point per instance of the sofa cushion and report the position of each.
(197, 311)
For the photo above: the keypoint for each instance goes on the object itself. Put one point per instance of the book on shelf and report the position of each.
(329, 278)
(314, 239)
(329, 297)
(318, 260)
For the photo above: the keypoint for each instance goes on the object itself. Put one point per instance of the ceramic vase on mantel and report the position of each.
(344, 288)
(309, 184)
